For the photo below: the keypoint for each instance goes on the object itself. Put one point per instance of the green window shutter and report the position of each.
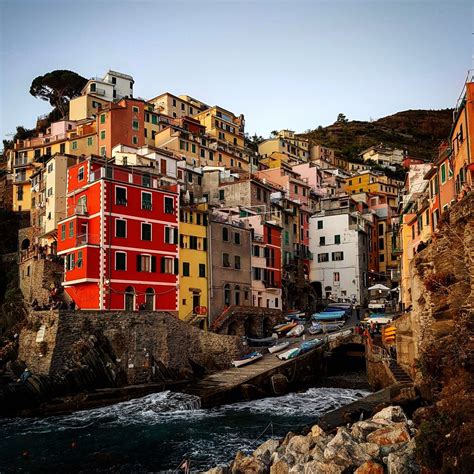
(162, 265)
(139, 263)
(167, 235)
(204, 244)
(175, 236)
(153, 264)
(176, 266)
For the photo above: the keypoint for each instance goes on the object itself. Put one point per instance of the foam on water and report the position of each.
(155, 432)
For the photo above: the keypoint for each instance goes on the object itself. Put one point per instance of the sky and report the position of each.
(284, 64)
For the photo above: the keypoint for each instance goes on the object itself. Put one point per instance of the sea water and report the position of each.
(155, 433)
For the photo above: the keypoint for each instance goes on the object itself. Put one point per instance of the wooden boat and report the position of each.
(335, 335)
(284, 328)
(308, 345)
(296, 331)
(247, 359)
(278, 347)
(289, 354)
(299, 316)
(315, 328)
(331, 327)
(330, 316)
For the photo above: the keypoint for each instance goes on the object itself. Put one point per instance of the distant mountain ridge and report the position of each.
(419, 131)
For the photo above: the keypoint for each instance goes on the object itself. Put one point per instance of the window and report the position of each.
(225, 234)
(169, 265)
(336, 277)
(337, 256)
(323, 257)
(135, 140)
(225, 260)
(193, 242)
(337, 239)
(121, 228)
(146, 201)
(70, 261)
(102, 135)
(135, 125)
(146, 263)
(74, 145)
(169, 205)
(202, 270)
(102, 118)
(221, 195)
(443, 173)
(120, 261)
(102, 151)
(71, 229)
(381, 257)
(322, 240)
(237, 262)
(120, 196)
(287, 237)
(380, 229)
(146, 231)
(136, 110)
(50, 192)
(320, 224)
(63, 232)
(62, 148)
(381, 244)
(185, 269)
(171, 235)
(237, 238)
(80, 174)
(427, 218)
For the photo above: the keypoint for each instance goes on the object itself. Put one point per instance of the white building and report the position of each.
(113, 86)
(383, 155)
(338, 241)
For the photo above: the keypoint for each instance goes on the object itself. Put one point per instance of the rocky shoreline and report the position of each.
(382, 444)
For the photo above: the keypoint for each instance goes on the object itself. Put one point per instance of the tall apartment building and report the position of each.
(288, 143)
(338, 241)
(119, 239)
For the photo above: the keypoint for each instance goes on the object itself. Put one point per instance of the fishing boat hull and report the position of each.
(290, 354)
(297, 331)
(249, 359)
(278, 347)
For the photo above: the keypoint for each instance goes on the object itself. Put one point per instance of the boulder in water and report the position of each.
(270, 446)
(247, 465)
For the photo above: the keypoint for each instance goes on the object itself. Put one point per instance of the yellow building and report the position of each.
(177, 106)
(288, 143)
(193, 258)
(223, 125)
(374, 183)
(406, 238)
(85, 106)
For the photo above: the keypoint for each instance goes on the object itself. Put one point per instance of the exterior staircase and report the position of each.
(400, 375)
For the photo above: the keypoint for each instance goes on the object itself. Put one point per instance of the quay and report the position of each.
(268, 375)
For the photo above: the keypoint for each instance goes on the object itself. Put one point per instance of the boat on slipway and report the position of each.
(278, 347)
(247, 359)
(289, 354)
(297, 331)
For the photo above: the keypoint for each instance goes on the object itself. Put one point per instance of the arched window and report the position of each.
(150, 299)
(129, 298)
(25, 244)
(227, 294)
(237, 295)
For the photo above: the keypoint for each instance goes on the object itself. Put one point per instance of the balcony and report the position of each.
(81, 239)
(80, 210)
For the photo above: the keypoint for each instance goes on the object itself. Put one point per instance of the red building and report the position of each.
(119, 239)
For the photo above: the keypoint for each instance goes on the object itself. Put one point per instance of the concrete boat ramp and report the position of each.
(258, 378)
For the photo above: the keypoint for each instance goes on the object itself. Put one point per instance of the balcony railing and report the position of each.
(81, 239)
(80, 210)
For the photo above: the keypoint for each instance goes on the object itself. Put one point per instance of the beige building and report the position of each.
(382, 155)
(286, 142)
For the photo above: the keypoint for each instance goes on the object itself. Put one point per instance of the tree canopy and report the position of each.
(58, 87)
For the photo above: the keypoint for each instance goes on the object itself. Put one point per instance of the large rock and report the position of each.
(403, 461)
(270, 446)
(317, 431)
(247, 465)
(369, 467)
(344, 451)
(371, 449)
(318, 467)
(280, 467)
(218, 470)
(362, 429)
(391, 414)
(392, 434)
(299, 445)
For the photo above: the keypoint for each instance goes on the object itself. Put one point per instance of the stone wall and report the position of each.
(442, 287)
(37, 276)
(136, 346)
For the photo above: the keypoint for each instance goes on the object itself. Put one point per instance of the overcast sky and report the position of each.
(284, 64)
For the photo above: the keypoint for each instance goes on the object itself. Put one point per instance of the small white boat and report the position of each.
(278, 347)
(315, 328)
(289, 354)
(335, 335)
(297, 331)
(247, 359)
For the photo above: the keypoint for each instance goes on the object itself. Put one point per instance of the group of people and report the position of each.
(371, 329)
(52, 304)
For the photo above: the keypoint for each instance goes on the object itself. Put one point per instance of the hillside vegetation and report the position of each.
(419, 131)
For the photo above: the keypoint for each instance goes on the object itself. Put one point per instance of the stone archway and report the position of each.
(25, 244)
(233, 328)
(267, 327)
